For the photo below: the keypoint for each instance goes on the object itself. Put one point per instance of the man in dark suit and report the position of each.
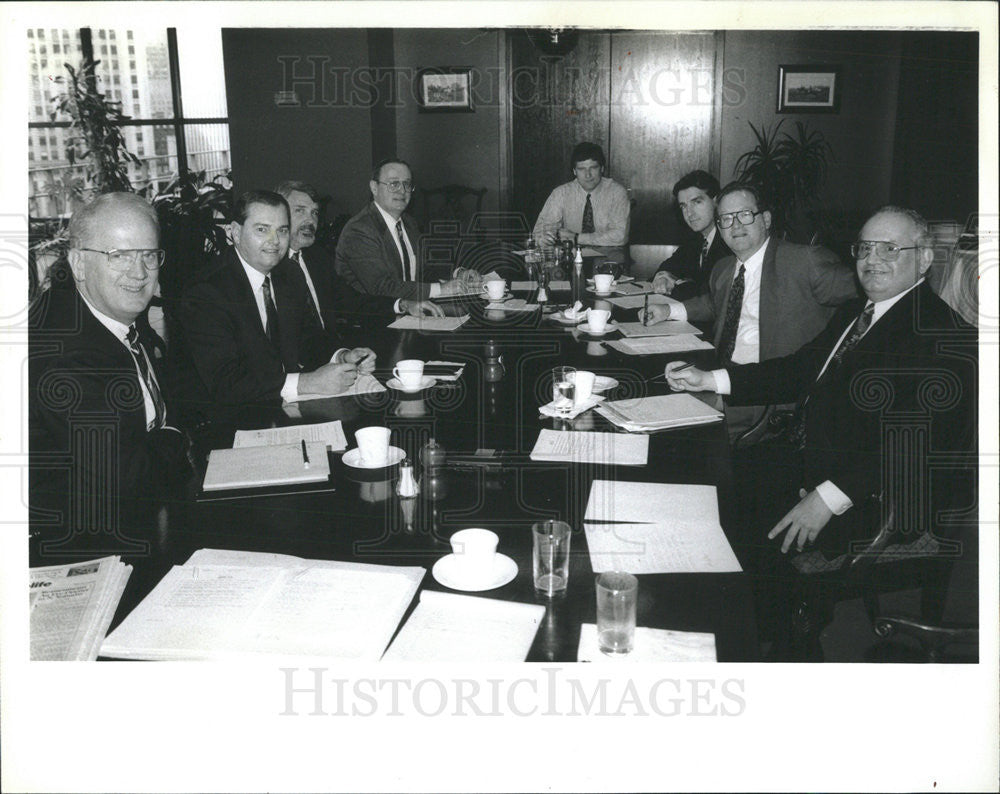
(245, 327)
(378, 252)
(766, 300)
(686, 273)
(104, 446)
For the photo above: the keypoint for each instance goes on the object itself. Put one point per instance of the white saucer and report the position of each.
(603, 383)
(562, 319)
(446, 572)
(619, 280)
(426, 383)
(352, 458)
(611, 326)
(506, 297)
(608, 294)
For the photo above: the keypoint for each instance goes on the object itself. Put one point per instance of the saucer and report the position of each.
(608, 294)
(447, 572)
(562, 319)
(352, 458)
(619, 280)
(426, 383)
(603, 383)
(506, 297)
(611, 326)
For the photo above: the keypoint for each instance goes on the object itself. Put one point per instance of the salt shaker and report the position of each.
(407, 485)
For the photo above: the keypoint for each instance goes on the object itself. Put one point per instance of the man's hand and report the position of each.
(566, 234)
(328, 379)
(363, 357)
(455, 286)
(682, 377)
(804, 521)
(421, 308)
(654, 313)
(471, 278)
(664, 282)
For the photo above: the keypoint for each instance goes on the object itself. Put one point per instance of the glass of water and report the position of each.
(617, 593)
(563, 388)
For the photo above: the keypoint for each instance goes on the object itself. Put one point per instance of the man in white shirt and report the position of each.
(590, 210)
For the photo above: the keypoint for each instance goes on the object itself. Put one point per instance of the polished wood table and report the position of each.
(487, 422)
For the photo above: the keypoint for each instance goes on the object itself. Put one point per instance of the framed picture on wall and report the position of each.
(445, 89)
(808, 89)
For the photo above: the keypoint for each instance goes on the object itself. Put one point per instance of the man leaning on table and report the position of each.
(246, 332)
(378, 250)
(103, 437)
(765, 301)
(591, 210)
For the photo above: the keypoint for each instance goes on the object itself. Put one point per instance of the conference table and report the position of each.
(487, 422)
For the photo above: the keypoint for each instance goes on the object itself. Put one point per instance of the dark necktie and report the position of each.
(704, 253)
(727, 342)
(402, 246)
(313, 317)
(588, 217)
(139, 354)
(271, 312)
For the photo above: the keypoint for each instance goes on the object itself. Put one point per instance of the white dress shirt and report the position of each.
(412, 275)
(296, 256)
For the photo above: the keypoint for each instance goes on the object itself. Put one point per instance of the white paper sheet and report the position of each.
(651, 645)
(330, 433)
(650, 345)
(408, 323)
(446, 627)
(659, 413)
(523, 285)
(575, 446)
(513, 305)
(668, 328)
(365, 384)
(638, 301)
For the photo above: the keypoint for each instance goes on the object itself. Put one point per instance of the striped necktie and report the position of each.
(145, 370)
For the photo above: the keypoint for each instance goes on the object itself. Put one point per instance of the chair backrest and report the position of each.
(646, 258)
(449, 203)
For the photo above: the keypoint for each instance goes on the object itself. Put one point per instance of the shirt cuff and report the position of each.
(435, 290)
(722, 383)
(397, 307)
(835, 499)
(290, 391)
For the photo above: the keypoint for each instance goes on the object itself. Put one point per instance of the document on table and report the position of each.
(560, 285)
(257, 467)
(513, 305)
(330, 433)
(635, 288)
(446, 627)
(651, 645)
(638, 301)
(668, 328)
(661, 412)
(408, 323)
(656, 528)
(649, 345)
(523, 285)
(365, 384)
(227, 611)
(576, 446)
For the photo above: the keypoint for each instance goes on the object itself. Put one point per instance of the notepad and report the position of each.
(576, 446)
(409, 323)
(649, 345)
(257, 467)
(446, 627)
(658, 413)
(330, 433)
(668, 328)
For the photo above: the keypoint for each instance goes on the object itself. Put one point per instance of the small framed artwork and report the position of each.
(445, 90)
(808, 89)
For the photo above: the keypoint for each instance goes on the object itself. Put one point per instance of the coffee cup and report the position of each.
(495, 288)
(409, 372)
(603, 282)
(597, 319)
(475, 551)
(583, 383)
(373, 446)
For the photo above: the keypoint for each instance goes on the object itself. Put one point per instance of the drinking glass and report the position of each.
(616, 600)
(563, 388)
(551, 557)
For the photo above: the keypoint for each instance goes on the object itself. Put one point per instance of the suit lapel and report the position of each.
(388, 239)
(725, 276)
(768, 311)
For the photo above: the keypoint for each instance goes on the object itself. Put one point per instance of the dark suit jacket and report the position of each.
(368, 260)
(93, 463)
(339, 302)
(684, 264)
(905, 394)
(225, 357)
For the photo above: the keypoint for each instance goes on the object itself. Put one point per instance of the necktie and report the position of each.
(314, 319)
(402, 246)
(139, 354)
(727, 342)
(703, 254)
(588, 217)
(271, 312)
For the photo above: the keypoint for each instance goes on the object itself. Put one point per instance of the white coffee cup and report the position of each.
(373, 445)
(597, 319)
(409, 372)
(495, 288)
(583, 384)
(603, 282)
(475, 550)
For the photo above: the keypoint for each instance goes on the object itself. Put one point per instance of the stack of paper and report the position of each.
(222, 605)
(454, 628)
(330, 433)
(257, 467)
(71, 607)
(658, 413)
(643, 527)
(651, 645)
(668, 328)
(650, 345)
(408, 323)
(575, 446)
(444, 370)
(638, 301)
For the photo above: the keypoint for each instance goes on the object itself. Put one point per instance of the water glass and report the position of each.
(617, 594)
(551, 557)
(563, 388)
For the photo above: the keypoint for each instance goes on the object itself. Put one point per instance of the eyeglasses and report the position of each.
(887, 251)
(399, 186)
(121, 259)
(745, 217)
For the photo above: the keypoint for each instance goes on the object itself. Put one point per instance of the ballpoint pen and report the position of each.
(305, 455)
(645, 308)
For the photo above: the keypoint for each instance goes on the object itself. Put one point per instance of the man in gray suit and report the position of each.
(766, 301)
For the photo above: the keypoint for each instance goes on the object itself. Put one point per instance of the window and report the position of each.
(172, 67)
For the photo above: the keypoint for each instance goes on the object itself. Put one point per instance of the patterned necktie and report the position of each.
(313, 317)
(704, 253)
(402, 245)
(271, 312)
(588, 217)
(727, 342)
(139, 354)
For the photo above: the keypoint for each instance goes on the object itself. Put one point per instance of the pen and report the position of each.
(305, 455)
(681, 369)
(645, 308)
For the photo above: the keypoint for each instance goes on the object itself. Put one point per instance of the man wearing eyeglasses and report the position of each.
(766, 301)
(103, 440)
(378, 250)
